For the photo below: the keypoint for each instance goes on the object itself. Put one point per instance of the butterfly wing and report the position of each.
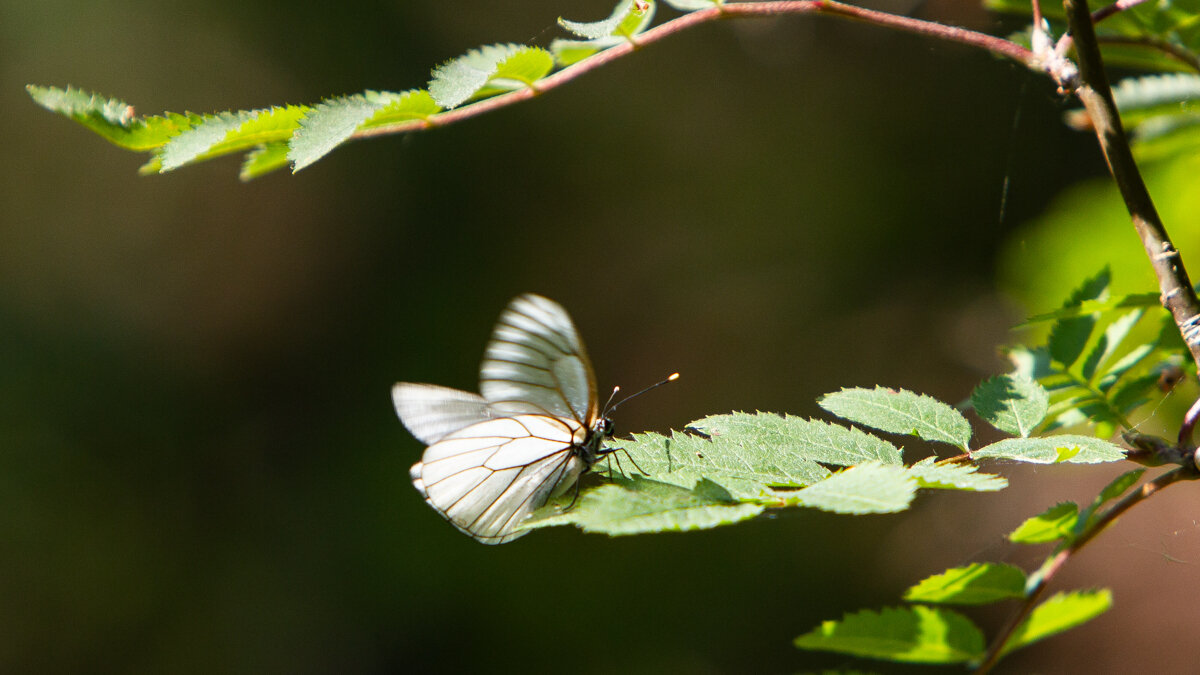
(487, 478)
(430, 412)
(536, 363)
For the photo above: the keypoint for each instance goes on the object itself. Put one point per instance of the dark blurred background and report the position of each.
(201, 470)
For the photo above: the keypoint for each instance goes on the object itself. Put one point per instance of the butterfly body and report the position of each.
(534, 428)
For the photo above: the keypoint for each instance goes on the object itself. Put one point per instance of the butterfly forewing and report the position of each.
(429, 412)
(536, 363)
(487, 478)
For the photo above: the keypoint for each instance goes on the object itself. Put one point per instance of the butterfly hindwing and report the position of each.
(487, 478)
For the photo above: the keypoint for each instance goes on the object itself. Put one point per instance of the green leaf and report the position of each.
(414, 104)
(954, 477)
(567, 52)
(815, 440)
(1061, 612)
(1054, 524)
(197, 143)
(524, 67)
(1053, 449)
(1119, 485)
(332, 122)
(900, 412)
(906, 634)
(1068, 337)
(1124, 365)
(975, 584)
(264, 159)
(1086, 307)
(1109, 342)
(1131, 394)
(1114, 489)
(1012, 403)
(111, 118)
(606, 27)
(639, 505)
(867, 488)
(742, 462)
(455, 82)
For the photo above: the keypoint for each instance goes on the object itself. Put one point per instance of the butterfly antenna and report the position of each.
(610, 398)
(671, 378)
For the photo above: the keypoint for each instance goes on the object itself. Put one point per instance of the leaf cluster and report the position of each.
(927, 631)
(1103, 357)
(724, 469)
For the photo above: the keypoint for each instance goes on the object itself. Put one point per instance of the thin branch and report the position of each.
(1041, 579)
(1175, 287)
(1188, 428)
(1118, 6)
(962, 36)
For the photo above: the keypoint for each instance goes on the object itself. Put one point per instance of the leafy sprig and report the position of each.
(475, 83)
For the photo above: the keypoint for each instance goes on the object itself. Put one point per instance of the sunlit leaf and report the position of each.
(1053, 449)
(900, 412)
(1013, 403)
(974, 584)
(867, 488)
(640, 505)
(815, 440)
(1061, 612)
(907, 634)
(1053, 524)
(954, 476)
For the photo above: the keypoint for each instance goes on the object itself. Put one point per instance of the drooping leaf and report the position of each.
(264, 159)
(1119, 485)
(567, 52)
(112, 118)
(907, 634)
(1114, 489)
(639, 505)
(974, 584)
(815, 440)
(590, 30)
(954, 477)
(1053, 524)
(1014, 403)
(1061, 612)
(900, 412)
(1053, 449)
(867, 488)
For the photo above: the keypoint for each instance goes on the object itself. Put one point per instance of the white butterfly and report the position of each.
(493, 459)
